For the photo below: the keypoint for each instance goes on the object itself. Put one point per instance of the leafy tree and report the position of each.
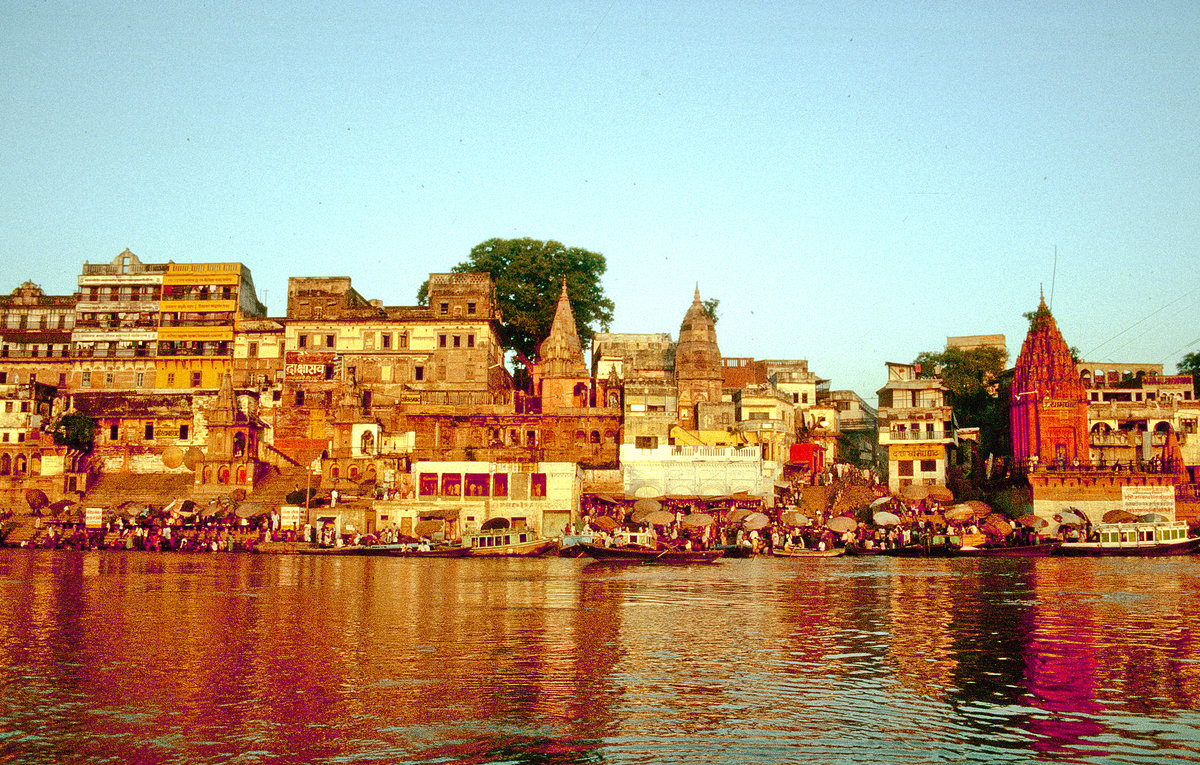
(710, 307)
(1190, 365)
(528, 274)
(973, 379)
(75, 430)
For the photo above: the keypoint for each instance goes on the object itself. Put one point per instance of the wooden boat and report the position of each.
(1014, 551)
(920, 551)
(807, 552)
(414, 551)
(571, 545)
(346, 550)
(506, 543)
(1135, 539)
(859, 550)
(647, 555)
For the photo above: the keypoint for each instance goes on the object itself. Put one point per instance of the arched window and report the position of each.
(580, 437)
(595, 436)
(609, 437)
(19, 465)
(334, 472)
(223, 474)
(354, 472)
(367, 442)
(239, 444)
(241, 474)
(5, 464)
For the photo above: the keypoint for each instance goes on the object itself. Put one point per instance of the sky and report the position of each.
(853, 182)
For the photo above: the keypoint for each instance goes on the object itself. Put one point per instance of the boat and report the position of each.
(344, 550)
(506, 543)
(1149, 539)
(647, 555)
(413, 551)
(939, 550)
(807, 552)
(571, 545)
(1008, 551)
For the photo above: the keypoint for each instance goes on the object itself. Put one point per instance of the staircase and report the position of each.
(272, 490)
(112, 489)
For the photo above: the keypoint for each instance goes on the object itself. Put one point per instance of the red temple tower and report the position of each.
(1049, 403)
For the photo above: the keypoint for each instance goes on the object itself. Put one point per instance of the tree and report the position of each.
(1190, 365)
(528, 275)
(76, 430)
(972, 379)
(710, 307)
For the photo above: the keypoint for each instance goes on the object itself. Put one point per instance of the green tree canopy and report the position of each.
(1190, 365)
(75, 430)
(710, 307)
(967, 374)
(528, 275)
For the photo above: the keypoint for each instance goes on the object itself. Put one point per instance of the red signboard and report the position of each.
(308, 366)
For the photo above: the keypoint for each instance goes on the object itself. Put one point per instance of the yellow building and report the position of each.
(199, 307)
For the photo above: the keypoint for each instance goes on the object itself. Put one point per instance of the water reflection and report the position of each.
(152, 657)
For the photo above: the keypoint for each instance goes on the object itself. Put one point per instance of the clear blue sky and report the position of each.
(853, 183)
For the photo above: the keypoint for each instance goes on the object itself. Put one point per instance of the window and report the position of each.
(139, 380)
(328, 399)
(803, 398)
(149, 431)
(299, 398)
(470, 308)
(183, 432)
(444, 308)
(303, 341)
(904, 467)
(170, 379)
(477, 484)
(253, 351)
(452, 484)
(457, 341)
(537, 485)
(87, 380)
(385, 340)
(928, 466)
(427, 485)
(441, 341)
(646, 442)
(114, 432)
(500, 485)
(108, 380)
(419, 373)
(197, 379)
(329, 341)
(470, 341)
(403, 342)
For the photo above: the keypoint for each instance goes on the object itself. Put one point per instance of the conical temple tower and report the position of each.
(1049, 403)
(697, 362)
(560, 375)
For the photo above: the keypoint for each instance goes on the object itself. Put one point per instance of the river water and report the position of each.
(150, 657)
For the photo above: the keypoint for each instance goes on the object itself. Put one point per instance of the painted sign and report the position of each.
(307, 366)
(93, 517)
(1140, 500)
(916, 452)
(289, 516)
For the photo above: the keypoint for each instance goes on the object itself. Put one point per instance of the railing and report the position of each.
(919, 435)
(1115, 440)
(193, 352)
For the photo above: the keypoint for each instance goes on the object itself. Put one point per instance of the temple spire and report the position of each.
(561, 354)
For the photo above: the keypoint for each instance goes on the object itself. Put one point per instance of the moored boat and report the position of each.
(647, 555)
(506, 543)
(1135, 539)
(413, 551)
(807, 552)
(1013, 551)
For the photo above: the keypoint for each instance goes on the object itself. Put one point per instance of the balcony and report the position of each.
(918, 435)
(1121, 439)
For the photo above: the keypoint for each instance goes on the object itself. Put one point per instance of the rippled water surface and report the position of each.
(144, 657)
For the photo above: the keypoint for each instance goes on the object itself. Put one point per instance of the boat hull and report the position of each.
(781, 552)
(636, 554)
(1021, 551)
(405, 551)
(532, 549)
(1129, 550)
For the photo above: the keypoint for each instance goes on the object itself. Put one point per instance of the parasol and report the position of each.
(884, 518)
(796, 519)
(431, 526)
(660, 518)
(915, 492)
(647, 504)
(1033, 521)
(696, 520)
(881, 501)
(1114, 516)
(36, 498)
(756, 521)
(996, 524)
(738, 515)
(605, 523)
(939, 494)
(842, 524)
(960, 513)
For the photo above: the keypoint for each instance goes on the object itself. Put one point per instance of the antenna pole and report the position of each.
(1053, 275)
